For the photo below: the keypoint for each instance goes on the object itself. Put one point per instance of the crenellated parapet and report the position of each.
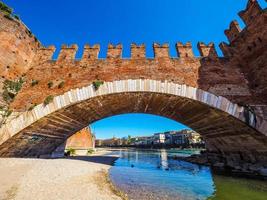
(114, 51)
(226, 50)
(252, 11)
(161, 51)
(208, 51)
(138, 51)
(233, 31)
(91, 52)
(247, 47)
(184, 51)
(67, 53)
(44, 54)
(244, 41)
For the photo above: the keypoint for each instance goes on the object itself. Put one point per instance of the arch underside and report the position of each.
(222, 132)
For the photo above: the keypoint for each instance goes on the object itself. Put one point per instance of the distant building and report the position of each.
(159, 138)
(182, 138)
(195, 138)
(143, 141)
(111, 142)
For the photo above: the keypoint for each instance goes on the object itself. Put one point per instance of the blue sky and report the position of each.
(134, 125)
(123, 21)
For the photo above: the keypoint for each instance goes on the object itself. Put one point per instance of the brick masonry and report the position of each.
(205, 93)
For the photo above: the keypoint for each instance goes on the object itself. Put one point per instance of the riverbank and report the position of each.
(222, 167)
(81, 177)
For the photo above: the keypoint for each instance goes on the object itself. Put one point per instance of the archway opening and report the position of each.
(147, 131)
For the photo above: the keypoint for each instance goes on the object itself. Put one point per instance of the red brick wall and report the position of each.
(17, 47)
(83, 139)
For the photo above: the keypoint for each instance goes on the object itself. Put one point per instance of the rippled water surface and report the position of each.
(153, 175)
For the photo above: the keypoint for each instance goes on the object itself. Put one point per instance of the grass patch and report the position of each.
(70, 152)
(8, 11)
(97, 84)
(11, 89)
(48, 99)
(32, 107)
(5, 8)
(90, 151)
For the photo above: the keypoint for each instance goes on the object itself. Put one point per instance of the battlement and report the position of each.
(44, 53)
(161, 51)
(252, 10)
(138, 51)
(114, 52)
(227, 52)
(251, 15)
(208, 51)
(67, 53)
(184, 51)
(233, 31)
(91, 53)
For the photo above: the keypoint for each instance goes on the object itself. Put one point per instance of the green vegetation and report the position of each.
(130, 140)
(32, 106)
(5, 112)
(16, 17)
(11, 89)
(70, 151)
(8, 12)
(48, 99)
(5, 9)
(34, 82)
(97, 84)
(90, 151)
(61, 84)
(50, 84)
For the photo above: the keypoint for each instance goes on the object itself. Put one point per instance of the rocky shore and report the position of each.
(229, 166)
(83, 178)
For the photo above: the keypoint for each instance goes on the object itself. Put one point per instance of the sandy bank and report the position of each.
(78, 178)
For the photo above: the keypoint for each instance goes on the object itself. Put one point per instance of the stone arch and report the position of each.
(220, 121)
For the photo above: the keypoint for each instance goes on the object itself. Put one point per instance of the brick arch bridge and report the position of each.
(221, 122)
(204, 92)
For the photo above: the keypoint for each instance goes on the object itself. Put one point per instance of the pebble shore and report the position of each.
(75, 178)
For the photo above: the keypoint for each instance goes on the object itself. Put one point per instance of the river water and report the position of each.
(152, 175)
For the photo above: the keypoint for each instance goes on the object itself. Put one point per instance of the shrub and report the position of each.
(90, 151)
(6, 112)
(48, 99)
(50, 84)
(32, 107)
(8, 16)
(11, 89)
(70, 151)
(8, 12)
(97, 84)
(61, 84)
(4, 8)
(16, 17)
(34, 82)
(8, 96)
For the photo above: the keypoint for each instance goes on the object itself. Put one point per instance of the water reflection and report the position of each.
(152, 175)
(164, 158)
